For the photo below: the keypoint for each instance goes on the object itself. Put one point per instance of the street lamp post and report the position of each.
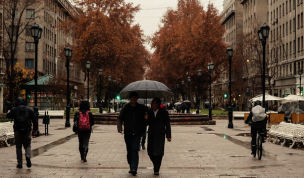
(300, 73)
(68, 55)
(263, 33)
(88, 65)
(183, 84)
(189, 80)
(100, 74)
(114, 91)
(199, 73)
(229, 53)
(210, 68)
(109, 94)
(36, 34)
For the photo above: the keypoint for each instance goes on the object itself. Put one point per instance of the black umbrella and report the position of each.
(146, 89)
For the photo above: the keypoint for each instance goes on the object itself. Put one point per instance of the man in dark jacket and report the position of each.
(159, 129)
(133, 116)
(23, 118)
(254, 128)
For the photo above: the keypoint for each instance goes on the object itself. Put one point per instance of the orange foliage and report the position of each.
(188, 39)
(104, 35)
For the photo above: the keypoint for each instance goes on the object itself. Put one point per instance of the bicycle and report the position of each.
(259, 142)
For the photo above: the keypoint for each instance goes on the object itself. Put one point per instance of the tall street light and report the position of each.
(100, 74)
(109, 94)
(189, 80)
(263, 33)
(88, 65)
(36, 34)
(210, 68)
(199, 73)
(68, 55)
(229, 53)
(300, 73)
(114, 91)
(183, 84)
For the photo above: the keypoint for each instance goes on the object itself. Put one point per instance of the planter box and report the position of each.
(294, 118)
(276, 118)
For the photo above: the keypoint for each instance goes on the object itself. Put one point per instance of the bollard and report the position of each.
(46, 122)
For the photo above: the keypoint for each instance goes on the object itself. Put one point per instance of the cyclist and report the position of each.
(254, 128)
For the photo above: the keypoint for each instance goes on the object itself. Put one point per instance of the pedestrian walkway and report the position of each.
(195, 151)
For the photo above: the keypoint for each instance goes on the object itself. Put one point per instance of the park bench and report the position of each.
(52, 113)
(6, 132)
(287, 131)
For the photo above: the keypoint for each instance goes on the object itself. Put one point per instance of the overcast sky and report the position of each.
(152, 10)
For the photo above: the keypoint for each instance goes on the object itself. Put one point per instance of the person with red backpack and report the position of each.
(83, 122)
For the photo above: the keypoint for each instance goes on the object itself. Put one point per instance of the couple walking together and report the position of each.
(135, 118)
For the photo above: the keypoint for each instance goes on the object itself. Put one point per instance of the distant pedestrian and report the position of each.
(178, 108)
(183, 107)
(159, 129)
(23, 118)
(83, 122)
(133, 116)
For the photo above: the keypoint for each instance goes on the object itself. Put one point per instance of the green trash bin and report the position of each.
(46, 119)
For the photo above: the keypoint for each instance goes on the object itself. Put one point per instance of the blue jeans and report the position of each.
(132, 142)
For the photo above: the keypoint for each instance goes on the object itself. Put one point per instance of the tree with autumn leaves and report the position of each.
(188, 39)
(104, 34)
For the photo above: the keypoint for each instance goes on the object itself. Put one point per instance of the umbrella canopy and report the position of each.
(186, 101)
(146, 89)
(293, 98)
(119, 101)
(267, 98)
(178, 103)
(143, 101)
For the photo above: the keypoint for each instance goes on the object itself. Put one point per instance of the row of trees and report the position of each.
(188, 39)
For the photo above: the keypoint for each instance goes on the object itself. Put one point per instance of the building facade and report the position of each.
(286, 35)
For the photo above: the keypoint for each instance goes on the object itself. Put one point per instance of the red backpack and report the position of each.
(84, 121)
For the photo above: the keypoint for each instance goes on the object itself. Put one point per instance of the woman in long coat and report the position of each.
(159, 130)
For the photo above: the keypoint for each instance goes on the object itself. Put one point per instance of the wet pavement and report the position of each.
(195, 151)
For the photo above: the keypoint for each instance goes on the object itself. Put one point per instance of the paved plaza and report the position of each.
(195, 151)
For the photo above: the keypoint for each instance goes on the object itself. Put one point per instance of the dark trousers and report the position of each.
(23, 139)
(143, 138)
(156, 160)
(132, 142)
(84, 138)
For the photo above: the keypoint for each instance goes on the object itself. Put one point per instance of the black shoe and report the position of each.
(130, 171)
(28, 162)
(19, 166)
(133, 172)
(156, 173)
(84, 159)
(143, 147)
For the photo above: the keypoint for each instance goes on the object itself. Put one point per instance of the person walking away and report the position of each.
(133, 116)
(256, 119)
(83, 122)
(159, 129)
(183, 107)
(23, 118)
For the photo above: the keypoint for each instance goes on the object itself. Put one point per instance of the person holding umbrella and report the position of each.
(159, 129)
(134, 116)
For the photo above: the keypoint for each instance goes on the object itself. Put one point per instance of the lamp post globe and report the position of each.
(100, 72)
(229, 53)
(265, 30)
(199, 73)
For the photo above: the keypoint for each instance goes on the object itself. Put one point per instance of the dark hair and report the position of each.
(133, 93)
(157, 100)
(84, 105)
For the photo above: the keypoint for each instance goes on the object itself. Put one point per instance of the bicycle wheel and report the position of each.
(259, 146)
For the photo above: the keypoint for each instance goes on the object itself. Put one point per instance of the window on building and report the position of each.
(28, 30)
(280, 32)
(290, 30)
(302, 43)
(302, 19)
(29, 63)
(286, 28)
(289, 5)
(277, 13)
(13, 29)
(283, 29)
(294, 68)
(286, 49)
(16, 13)
(29, 46)
(283, 9)
(280, 12)
(299, 21)
(30, 13)
(271, 15)
(55, 39)
(290, 48)
(294, 46)
(294, 24)
(294, 4)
